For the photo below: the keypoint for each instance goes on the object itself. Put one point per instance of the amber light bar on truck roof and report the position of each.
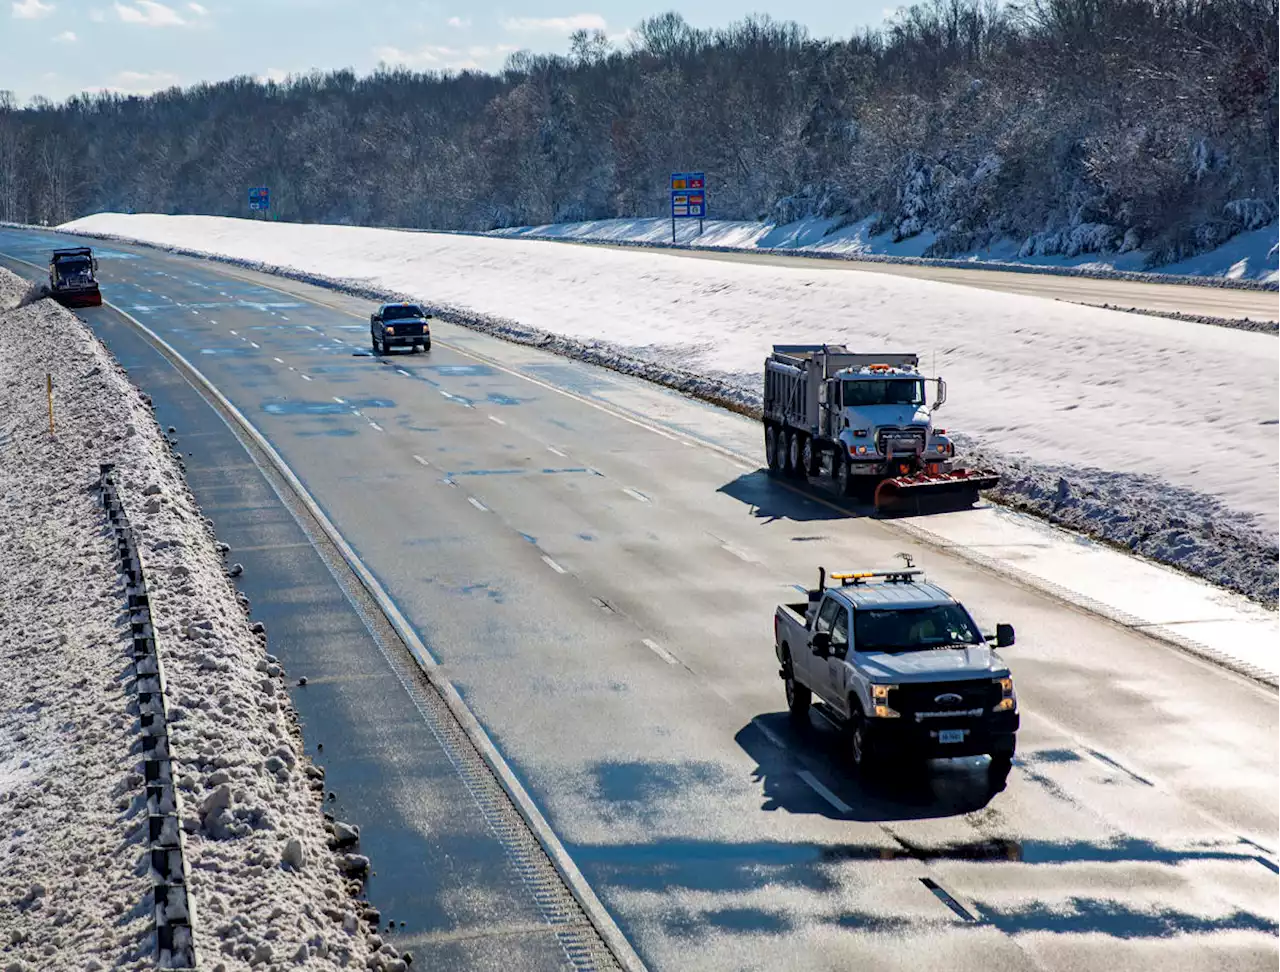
(891, 575)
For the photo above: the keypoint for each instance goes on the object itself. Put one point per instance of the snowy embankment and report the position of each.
(1247, 258)
(1153, 434)
(266, 887)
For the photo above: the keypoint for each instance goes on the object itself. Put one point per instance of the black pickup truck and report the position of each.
(400, 326)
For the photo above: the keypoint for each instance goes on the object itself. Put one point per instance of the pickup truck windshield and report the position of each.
(895, 391)
(913, 629)
(402, 313)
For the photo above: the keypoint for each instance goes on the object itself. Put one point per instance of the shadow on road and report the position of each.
(911, 791)
(793, 499)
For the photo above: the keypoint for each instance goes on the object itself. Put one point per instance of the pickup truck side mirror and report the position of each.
(820, 644)
(373, 318)
(1004, 635)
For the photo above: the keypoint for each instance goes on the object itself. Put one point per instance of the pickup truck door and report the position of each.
(837, 673)
(818, 669)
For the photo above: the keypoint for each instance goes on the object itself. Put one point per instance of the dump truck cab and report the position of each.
(881, 413)
(72, 277)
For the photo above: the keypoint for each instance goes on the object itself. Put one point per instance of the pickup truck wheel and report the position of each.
(772, 450)
(373, 342)
(798, 700)
(861, 753)
(998, 771)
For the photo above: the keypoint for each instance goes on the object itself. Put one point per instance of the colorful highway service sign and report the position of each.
(688, 196)
(260, 198)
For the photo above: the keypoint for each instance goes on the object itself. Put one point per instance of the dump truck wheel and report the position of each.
(843, 475)
(811, 457)
(772, 452)
(794, 468)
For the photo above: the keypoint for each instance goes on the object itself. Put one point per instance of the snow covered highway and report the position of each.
(594, 561)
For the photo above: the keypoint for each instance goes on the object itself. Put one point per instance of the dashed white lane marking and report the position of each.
(292, 368)
(283, 318)
(306, 377)
(661, 652)
(494, 418)
(554, 451)
(278, 360)
(552, 564)
(194, 311)
(255, 344)
(356, 413)
(420, 461)
(233, 331)
(338, 400)
(477, 504)
(740, 554)
(403, 372)
(635, 494)
(823, 792)
(375, 425)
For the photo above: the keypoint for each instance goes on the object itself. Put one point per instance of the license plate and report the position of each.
(950, 735)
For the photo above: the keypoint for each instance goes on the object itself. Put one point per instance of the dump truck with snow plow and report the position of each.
(71, 278)
(863, 418)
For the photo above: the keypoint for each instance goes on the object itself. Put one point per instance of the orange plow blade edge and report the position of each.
(937, 493)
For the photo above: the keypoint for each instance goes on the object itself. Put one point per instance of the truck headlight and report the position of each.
(880, 702)
(1007, 699)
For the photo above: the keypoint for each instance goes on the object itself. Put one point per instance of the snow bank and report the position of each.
(1249, 257)
(266, 886)
(1060, 390)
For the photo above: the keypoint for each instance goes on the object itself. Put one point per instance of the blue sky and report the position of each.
(57, 48)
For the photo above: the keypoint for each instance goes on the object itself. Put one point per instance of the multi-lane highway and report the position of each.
(596, 567)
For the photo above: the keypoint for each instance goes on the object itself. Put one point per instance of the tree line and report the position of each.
(1072, 125)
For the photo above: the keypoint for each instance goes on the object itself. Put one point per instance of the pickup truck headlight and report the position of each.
(880, 702)
(1007, 699)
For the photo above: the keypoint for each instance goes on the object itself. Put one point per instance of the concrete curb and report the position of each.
(573, 878)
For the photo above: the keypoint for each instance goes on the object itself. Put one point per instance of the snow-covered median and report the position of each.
(74, 886)
(1079, 406)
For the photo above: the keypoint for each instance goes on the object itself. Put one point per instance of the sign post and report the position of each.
(688, 198)
(260, 200)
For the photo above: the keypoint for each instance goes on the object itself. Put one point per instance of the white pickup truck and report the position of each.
(902, 666)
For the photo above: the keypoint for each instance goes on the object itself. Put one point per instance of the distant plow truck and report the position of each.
(863, 419)
(71, 278)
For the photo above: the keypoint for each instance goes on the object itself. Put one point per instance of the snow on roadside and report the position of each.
(1117, 405)
(1247, 256)
(267, 888)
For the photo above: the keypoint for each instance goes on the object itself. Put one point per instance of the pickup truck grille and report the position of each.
(933, 699)
(902, 441)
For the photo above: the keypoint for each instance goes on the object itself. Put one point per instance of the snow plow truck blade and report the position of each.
(936, 493)
(83, 298)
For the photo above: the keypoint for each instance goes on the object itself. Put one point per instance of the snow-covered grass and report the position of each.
(266, 886)
(1046, 390)
(1251, 255)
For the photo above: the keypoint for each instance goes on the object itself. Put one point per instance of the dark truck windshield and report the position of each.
(78, 265)
(887, 391)
(913, 629)
(402, 312)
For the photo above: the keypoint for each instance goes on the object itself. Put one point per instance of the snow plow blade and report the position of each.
(938, 493)
(83, 298)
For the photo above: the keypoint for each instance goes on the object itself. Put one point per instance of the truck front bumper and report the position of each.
(993, 734)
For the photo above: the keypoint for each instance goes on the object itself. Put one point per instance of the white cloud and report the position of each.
(458, 22)
(436, 57)
(66, 37)
(148, 13)
(97, 15)
(561, 25)
(31, 9)
(141, 82)
(198, 10)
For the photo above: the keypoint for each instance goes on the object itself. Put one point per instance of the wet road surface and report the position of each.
(598, 579)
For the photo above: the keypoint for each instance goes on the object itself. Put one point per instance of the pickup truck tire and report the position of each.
(773, 449)
(998, 771)
(799, 699)
(862, 755)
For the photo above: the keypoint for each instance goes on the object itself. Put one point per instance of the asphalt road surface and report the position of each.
(598, 578)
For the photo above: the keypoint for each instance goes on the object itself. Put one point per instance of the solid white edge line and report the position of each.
(553, 449)
(823, 792)
(635, 494)
(661, 652)
(553, 565)
(477, 504)
(574, 879)
(418, 459)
